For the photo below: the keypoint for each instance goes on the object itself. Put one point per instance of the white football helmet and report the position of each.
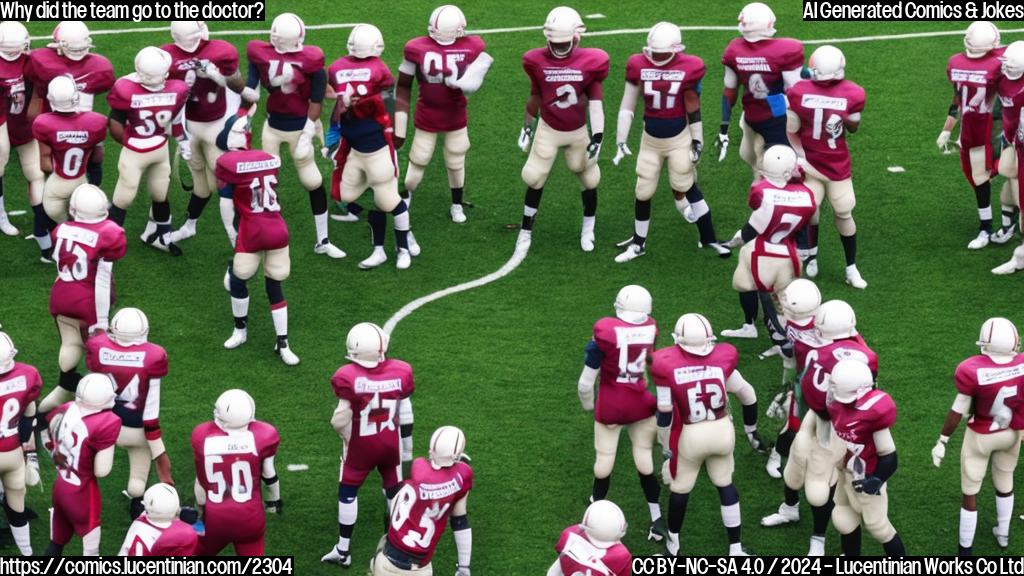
(72, 40)
(7, 353)
(447, 445)
(366, 344)
(693, 333)
(151, 67)
(836, 319)
(633, 304)
(14, 40)
(1013, 60)
(665, 38)
(849, 379)
(365, 41)
(981, 38)
(188, 34)
(604, 524)
(162, 504)
(757, 22)
(447, 24)
(88, 204)
(800, 299)
(563, 27)
(96, 391)
(62, 93)
(827, 63)
(234, 410)
(287, 33)
(998, 338)
(778, 165)
(129, 327)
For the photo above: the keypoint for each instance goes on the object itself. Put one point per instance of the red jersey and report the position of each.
(1011, 100)
(779, 213)
(150, 114)
(820, 362)
(249, 177)
(622, 396)
(71, 138)
(93, 74)
(759, 67)
(804, 337)
(824, 108)
(990, 385)
(77, 441)
(577, 555)
(78, 248)
(566, 85)
(855, 424)
(290, 99)
(975, 83)
(18, 90)
(18, 388)
(364, 127)
(147, 539)
(438, 107)
(134, 369)
(421, 509)
(663, 86)
(207, 100)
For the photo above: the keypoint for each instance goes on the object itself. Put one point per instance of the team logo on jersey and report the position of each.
(73, 136)
(349, 75)
(753, 64)
(655, 74)
(988, 376)
(439, 491)
(71, 231)
(272, 163)
(19, 384)
(968, 76)
(364, 385)
(816, 101)
(154, 100)
(687, 374)
(110, 357)
(563, 75)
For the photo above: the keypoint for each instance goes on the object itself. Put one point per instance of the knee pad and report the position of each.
(645, 188)
(137, 486)
(591, 177)
(533, 177)
(69, 356)
(309, 174)
(845, 519)
(413, 176)
(817, 491)
(794, 473)
(680, 180)
(644, 460)
(454, 161)
(604, 463)
(1002, 477)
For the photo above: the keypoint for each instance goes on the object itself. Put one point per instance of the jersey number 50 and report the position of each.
(240, 485)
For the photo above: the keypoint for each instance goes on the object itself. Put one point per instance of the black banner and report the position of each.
(922, 10)
(841, 566)
(126, 10)
(103, 565)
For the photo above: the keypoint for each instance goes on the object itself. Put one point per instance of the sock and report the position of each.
(94, 173)
(894, 547)
(401, 215)
(1004, 510)
(783, 442)
(681, 205)
(22, 538)
(530, 206)
(53, 549)
(1007, 216)
(642, 214)
(600, 490)
(278, 307)
(407, 196)
(748, 301)
(968, 525)
(196, 206)
(983, 195)
(355, 209)
(730, 501)
(162, 216)
(850, 543)
(821, 516)
(457, 196)
(677, 511)
(771, 320)
(791, 497)
(702, 212)
(850, 248)
(378, 222)
(39, 228)
(117, 214)
(239, 300)
(652, 492)
(318, 204)
(812, 238)
(589, 197)
(588, 225)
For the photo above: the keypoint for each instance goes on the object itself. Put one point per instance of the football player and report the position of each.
(984, 383)
(616, 358)
(363, 85)
(67, 139)
(293, 75)
(84, 433)
(145, 108)
(864, 449)
(16, 131)
(673, 134)
(158, 531)
(210, 69)
(448, 66)
(565, 87)
(810, 462)
(137, 367)
(768, 259)
(20, 385)
(1011, 83)
(766, 67)
(435, 494)
(374, 420)
(974, 74)
(822, 111)
(86, 248)
(247, 184)
(595, 544)
(692, 378)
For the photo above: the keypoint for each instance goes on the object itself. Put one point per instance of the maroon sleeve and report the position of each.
(35, 387)
(227, 58)
(794, 55)
(314, 59)
(698, 71)
(253, 52)
(159, 368)
(39, 131)
(117, 100)
(411, 53)
(92, 361)
(342, 387)
(965, 383)
(531, 72)
(858, 101)
(103, 79)
(106, 433)
(176, 543)
(410, 386)
(658, 373)
(270, 440)
(886, 413)
(633, 69)
(118, 245)
(729, 56)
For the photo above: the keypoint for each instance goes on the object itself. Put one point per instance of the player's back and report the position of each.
(578, 555)
(991, 386)
(253, 177)
(18, 387)
(422, 507)
(78, 439)
(374, 395)
(289, 99)
(147, 539)
(93, 74)
(149, 113)
(229, 468)
(564, 84)
(207, 100)
(132, 368)
(759, 67)
(804, 337)
(79, 246)
(855, 424)
(818, 367)
(622, 396)
(780, 212)
(697, 383)
(71, 138)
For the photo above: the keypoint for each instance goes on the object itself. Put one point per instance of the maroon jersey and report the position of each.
(820, 362)
(290, 99)
(374, 394)
(578, 555)
(824, 108)
(147, 539)
(249, 178)
(778, 214)
(366, 78)
(990, 385)
(663, 86)
(78, 248)
(71, 138)
(1011, 99)
(566, 85)
(150, 114)
(975, 80)
(93, 74)
(422, 507)
(228, 468)
(134, 368)
(438, 107)
(18, 388)
(18, 90)
(855, 424)
(622, 396)
(759, 67)
(207, 100)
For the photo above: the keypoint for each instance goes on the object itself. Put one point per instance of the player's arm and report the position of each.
(403, 97)
(691, 101)
(26, 423)
(793, 124)
(405, 421)
(104, 274)
(729, 95)
(592, 357)
(738, 386)
(273, 485)
(181, 135)
(961, 406)
(533, 103)
(341, 420)
(200, 494)
(45, 160)
(791, 77)
(852, 122)
(463, 536)
(117, 121)
(103, 462)
(154, 437)
(627, 107)
(595, 109)
(226, 192)
(664, 415)
(473, 77)
(313, 126)
(947, 127)
(885, 448)
(251, 92)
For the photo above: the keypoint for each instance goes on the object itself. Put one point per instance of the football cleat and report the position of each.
(811, 267)
(1015, 263)
(403, 259)
(161, 243)
(817, 547)
(238, 337)
(376, 258)
(632, 252)
(346, 217)
(148, 231)
(774, 465)
(672, 544)
(738, 550)
(414, 247)
(187, 230)
(625, 243)
(332, 251)
(746, 331)
(587, 241)
(657, 531)
(980, 241)
(1003, 540)
(719, 248)
(6, 227)
(335, 556)
(458, 214)
(853, 277)
(786, 515)
(1004, 234)
(286, 354)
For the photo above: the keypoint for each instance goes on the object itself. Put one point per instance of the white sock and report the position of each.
(91, 543)
(681, 205)
(968, 524)
(641, 227)
(1007, 221)
(699, 209)
(3, 211)
(343, 543)
(280, 316)
(44, 242)
(673, 542)
(408, 201)
(22, 539)
(529, 211)
(240, 307)
(851, 268)
(731, 515)
(813, 251)
(1004, 510)
(402, 220)
(588, 224)
(736, 548)
(321, 227)
(985, 213)
(655, 510)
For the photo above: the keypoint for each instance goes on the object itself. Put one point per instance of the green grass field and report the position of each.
(502, 361)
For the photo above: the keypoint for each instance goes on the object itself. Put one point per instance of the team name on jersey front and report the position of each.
(969, 76)
(687, 374)
(656, 74)
(563, 74)
(753, 64)
(349, 75)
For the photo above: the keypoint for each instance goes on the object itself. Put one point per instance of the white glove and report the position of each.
(594, 148)
(736, 241)
(1002, 417)
(185, 149)
(777, 409)
(462, 571)
(211, 72)
(943, 141)
(939, 451)
(621, 152)
(451, 81)
(284, 78)
(304, 147)
(723, 146)
(525, 136)
(31, 469)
